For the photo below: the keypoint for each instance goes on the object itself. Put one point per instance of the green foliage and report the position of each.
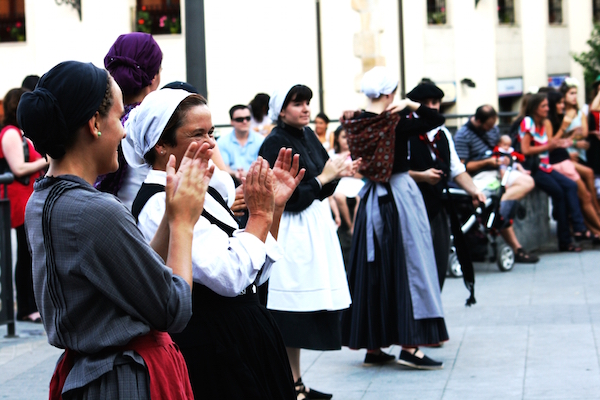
(590, 60)
(144, 22)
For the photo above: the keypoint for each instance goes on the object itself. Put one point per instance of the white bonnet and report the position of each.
(378, 81)
(147, 122)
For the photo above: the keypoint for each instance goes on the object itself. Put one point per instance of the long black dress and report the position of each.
(383, 309)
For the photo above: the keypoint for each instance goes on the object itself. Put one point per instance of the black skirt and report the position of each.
(234, 350)
(317, 330)
(381, 313)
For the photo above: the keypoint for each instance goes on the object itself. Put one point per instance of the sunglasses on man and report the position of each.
(242, 119)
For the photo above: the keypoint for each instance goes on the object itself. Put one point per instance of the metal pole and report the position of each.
(401, 31)
(6, 294)
(195, 45)
(319, 56)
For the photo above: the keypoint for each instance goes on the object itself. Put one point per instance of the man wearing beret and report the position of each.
(433, 162)
(474, 145)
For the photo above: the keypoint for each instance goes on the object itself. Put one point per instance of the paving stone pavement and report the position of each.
(533, 334)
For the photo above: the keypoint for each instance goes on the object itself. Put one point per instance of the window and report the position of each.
(436, 12)
(12, 20)
(506, 11)
(158, 16)
(555, 15)
(596, 11)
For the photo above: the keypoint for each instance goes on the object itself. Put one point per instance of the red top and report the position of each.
(18, 193)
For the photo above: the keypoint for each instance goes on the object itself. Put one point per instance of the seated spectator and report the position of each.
(239, 148)
(593, 152)
(474, 144)
(536, 145)
(504, 147)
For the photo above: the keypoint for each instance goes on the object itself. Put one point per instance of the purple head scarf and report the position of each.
(133, 60)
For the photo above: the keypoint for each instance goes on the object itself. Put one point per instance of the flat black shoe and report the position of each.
(412, 361)
(585, 235)
(521, 256)
(381, 358)
(571, 247)
(310, 393)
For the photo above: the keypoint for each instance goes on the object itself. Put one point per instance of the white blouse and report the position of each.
(226, 265)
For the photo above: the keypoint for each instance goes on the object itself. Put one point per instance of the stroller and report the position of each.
(481, 228)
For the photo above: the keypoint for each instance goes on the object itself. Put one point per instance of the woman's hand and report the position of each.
(403, 104)
(186, 187)
(338, 168)
(287, 174)
(239, 204)
(582, 144)
(350, 114)
(258, 189)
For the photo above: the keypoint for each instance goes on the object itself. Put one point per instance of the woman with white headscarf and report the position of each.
(392, 274)
(308, 289)
(231, 345)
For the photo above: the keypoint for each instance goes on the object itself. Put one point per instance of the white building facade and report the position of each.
(256, 46)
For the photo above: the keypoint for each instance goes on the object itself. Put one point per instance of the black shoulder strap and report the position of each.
(147, 190)
(484, 139)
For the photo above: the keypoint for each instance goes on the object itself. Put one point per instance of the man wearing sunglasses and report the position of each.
(240, 147)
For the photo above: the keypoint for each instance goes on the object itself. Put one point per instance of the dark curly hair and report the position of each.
(10, 104)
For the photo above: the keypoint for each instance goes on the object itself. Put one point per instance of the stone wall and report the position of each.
(534, 230)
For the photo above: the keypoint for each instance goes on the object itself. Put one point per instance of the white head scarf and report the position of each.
(378, 81)
(147, 122)
(277, 99)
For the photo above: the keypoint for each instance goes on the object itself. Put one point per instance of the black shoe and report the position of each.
(521, 256)
(310, 393)
(412, 361)
(585, 235)
(381, 358)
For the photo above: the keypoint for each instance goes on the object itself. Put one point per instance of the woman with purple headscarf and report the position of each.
(134, 61)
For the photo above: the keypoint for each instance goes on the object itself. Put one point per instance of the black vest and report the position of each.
(202, 297)
(421, 160)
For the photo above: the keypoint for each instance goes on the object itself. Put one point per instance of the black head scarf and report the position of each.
(65, 98)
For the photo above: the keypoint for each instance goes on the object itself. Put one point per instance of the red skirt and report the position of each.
(166, 367)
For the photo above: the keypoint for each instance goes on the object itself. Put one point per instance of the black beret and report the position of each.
(425, 91)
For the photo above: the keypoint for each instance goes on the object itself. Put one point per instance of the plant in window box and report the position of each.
(437, 18)
(17, 32)
(175, 25)
(144, 22)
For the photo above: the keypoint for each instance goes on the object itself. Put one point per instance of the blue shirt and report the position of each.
(236, 156)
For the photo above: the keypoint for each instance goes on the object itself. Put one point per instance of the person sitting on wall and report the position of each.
(474, 143)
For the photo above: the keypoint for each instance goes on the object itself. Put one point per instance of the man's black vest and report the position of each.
(421, 160)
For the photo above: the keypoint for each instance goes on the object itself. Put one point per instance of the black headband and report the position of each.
(65, 98)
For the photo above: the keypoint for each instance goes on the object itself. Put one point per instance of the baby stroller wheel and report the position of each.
(454, 267)
(506, 258)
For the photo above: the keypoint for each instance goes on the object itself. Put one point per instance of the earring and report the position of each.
(162, 152)
(99, 133)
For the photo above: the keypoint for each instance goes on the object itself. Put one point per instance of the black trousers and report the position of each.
(440, 234)
(23, 277)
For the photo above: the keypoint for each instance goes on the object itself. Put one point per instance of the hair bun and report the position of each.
(43, 122)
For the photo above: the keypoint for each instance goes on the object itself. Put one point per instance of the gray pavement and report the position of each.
(533, 334)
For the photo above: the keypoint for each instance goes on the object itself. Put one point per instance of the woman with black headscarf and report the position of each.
(104, 294)
(308, 288)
